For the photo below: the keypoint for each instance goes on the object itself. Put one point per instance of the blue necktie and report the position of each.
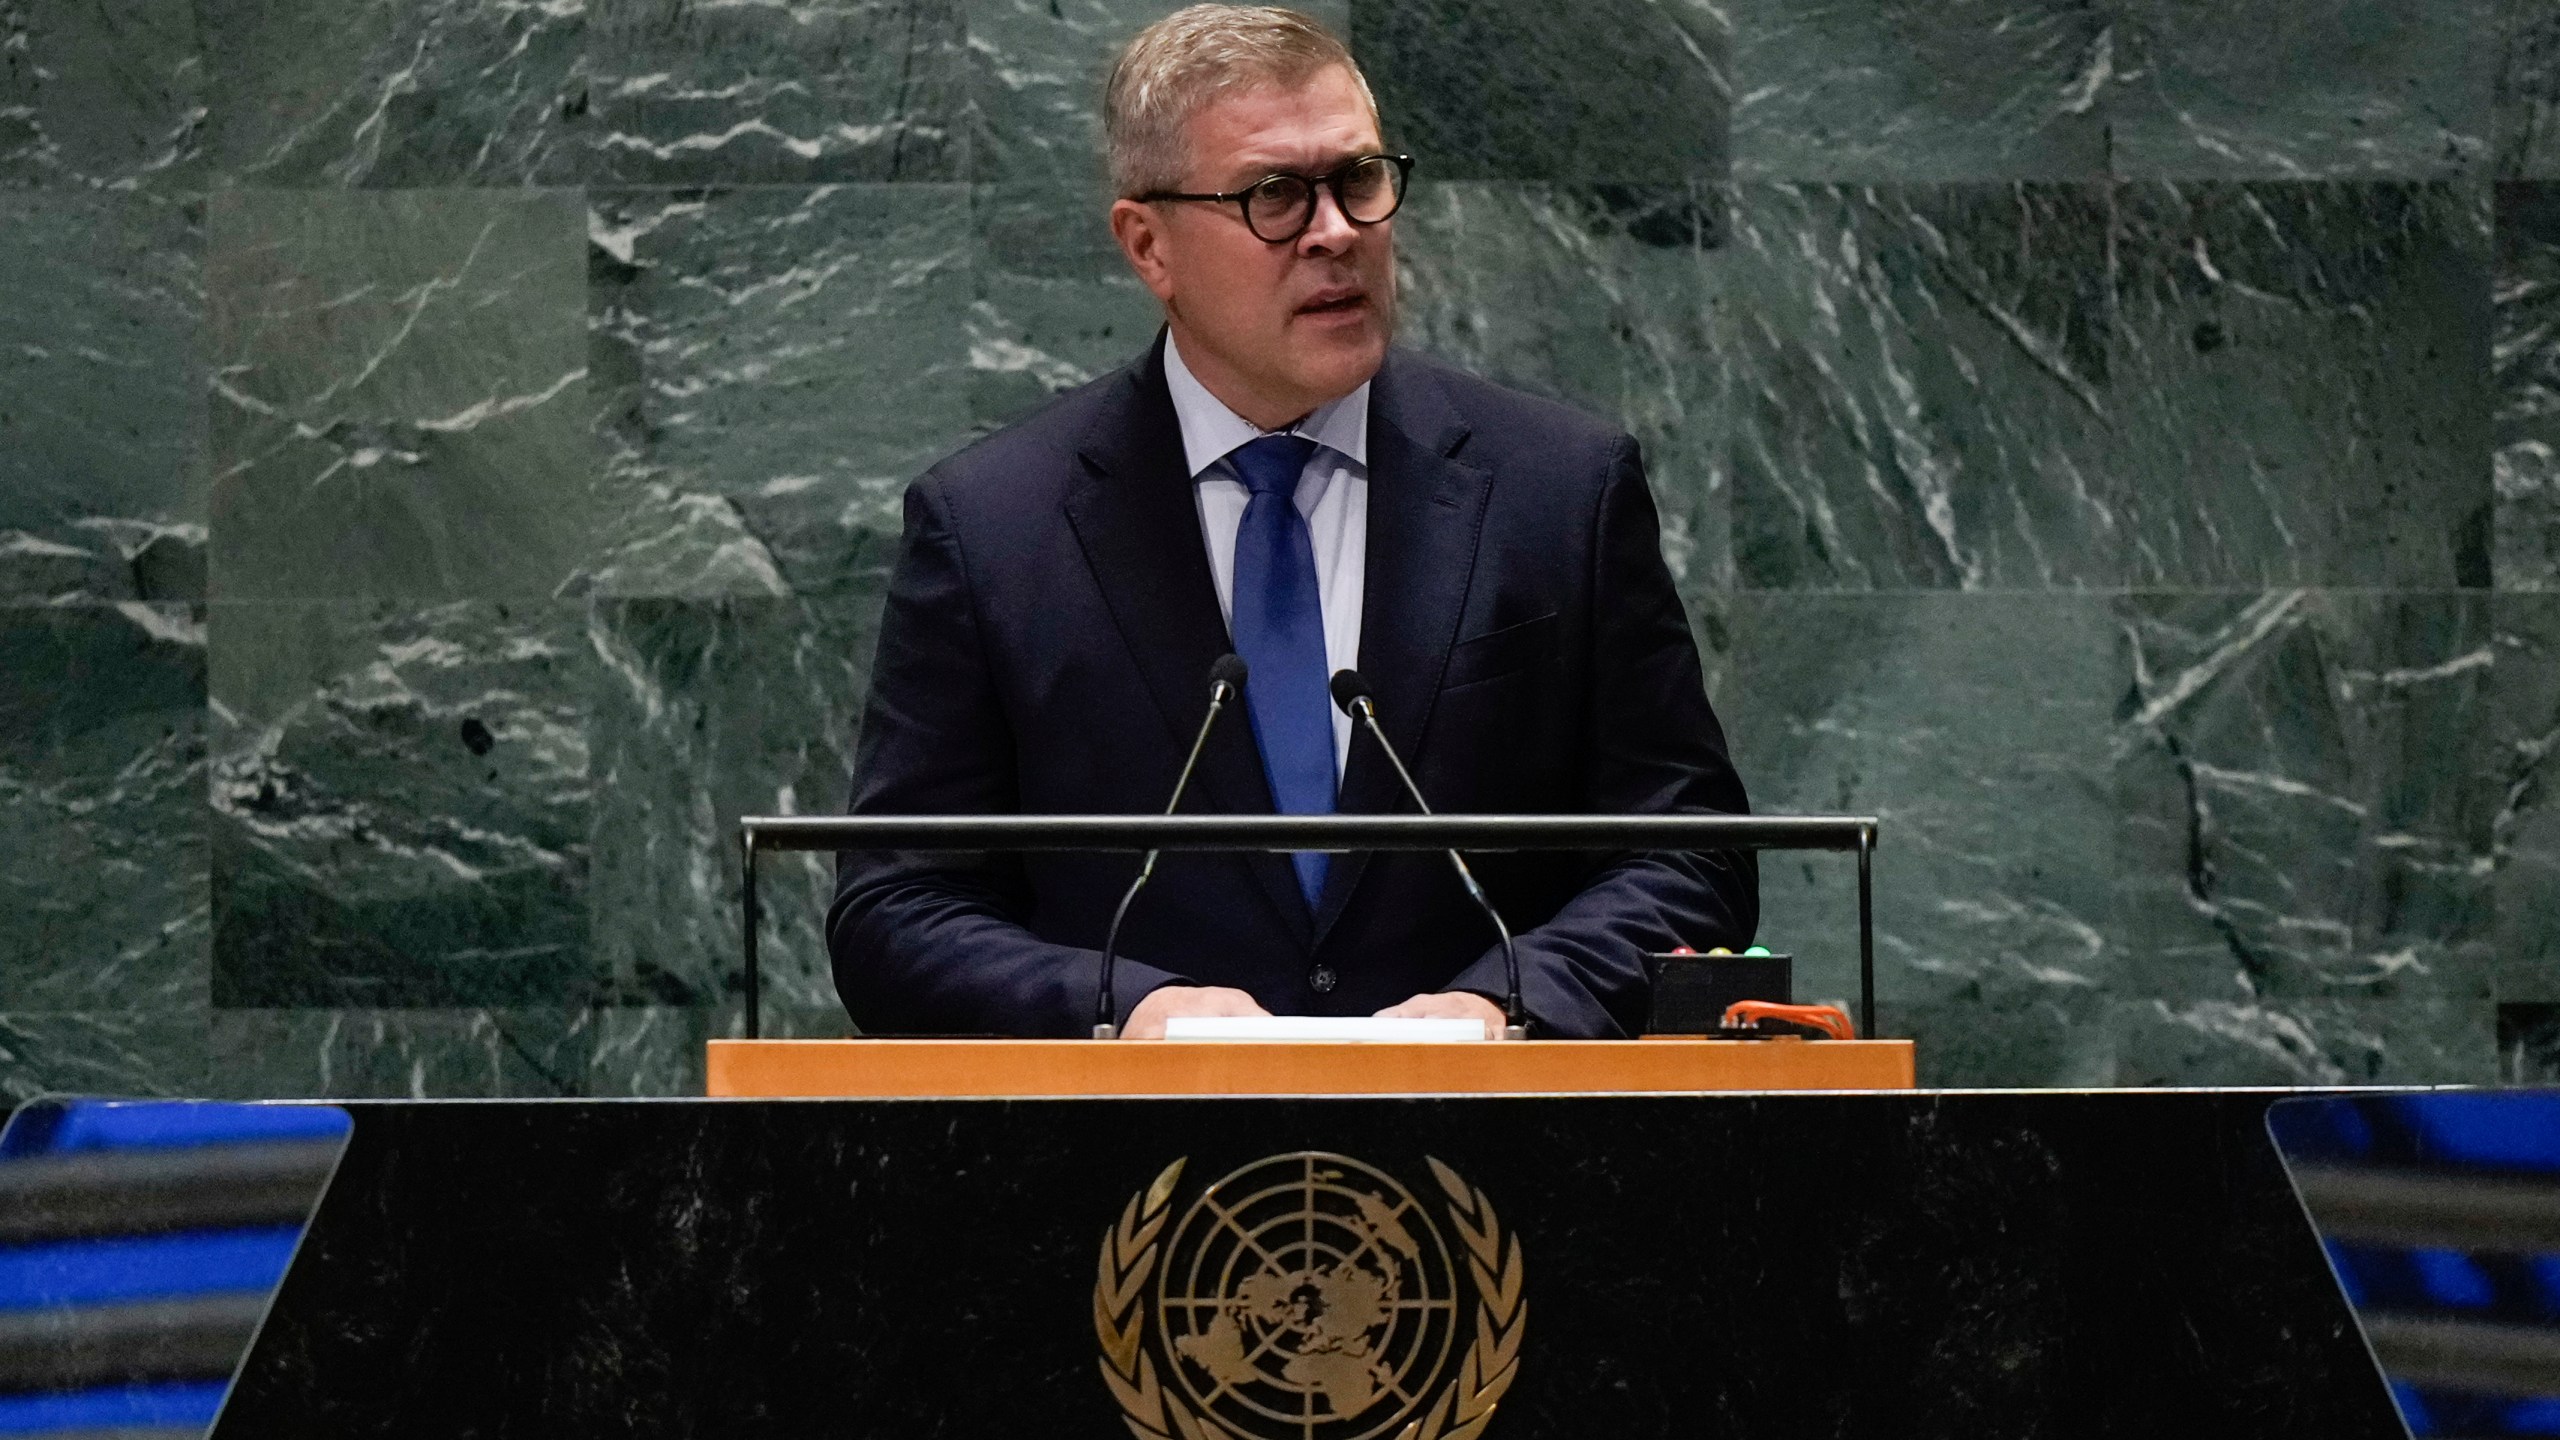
(1279, 630)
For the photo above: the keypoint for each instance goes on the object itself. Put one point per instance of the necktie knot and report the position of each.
(1272, 464)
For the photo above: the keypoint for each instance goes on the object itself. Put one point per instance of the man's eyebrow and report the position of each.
(1249, 171)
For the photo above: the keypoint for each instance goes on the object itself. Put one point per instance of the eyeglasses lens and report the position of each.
(1277, 208)
(1369, 190)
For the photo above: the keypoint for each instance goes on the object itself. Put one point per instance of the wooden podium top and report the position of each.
(918, 1069)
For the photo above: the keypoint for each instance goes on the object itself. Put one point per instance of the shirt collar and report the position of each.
(1211, 431)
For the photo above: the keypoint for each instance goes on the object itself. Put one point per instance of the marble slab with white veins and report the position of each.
(392, 94)
(2523, 756)
(102, 417)
(771, 366)
(773, 92)
(399, 395)
(1053, 304)
(124, 1051)
(712, 710)
(104, 95)
(2309, 795)
(2526, 93)
(2527, 367)
(103, 867)
(2298, 89)
(1601, 297)
(1922, 391)
(1604, 91)
(2303, 373)
(402, 804)
(399, 1054)
(1907, 91)
(1994, 941)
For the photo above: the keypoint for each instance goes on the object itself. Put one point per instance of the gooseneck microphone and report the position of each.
(1226, 682)
(1357, 701)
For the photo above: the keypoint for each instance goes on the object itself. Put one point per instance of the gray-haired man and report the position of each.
(1270, 478)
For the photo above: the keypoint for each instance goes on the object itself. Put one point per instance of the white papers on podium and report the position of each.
(1372, 1028)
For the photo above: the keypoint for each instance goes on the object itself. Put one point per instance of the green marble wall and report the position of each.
(450, 449)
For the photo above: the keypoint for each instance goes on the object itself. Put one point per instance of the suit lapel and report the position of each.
(1426, 513)
(1139, 527)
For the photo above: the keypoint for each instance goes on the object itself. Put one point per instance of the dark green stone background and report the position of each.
(450, 452)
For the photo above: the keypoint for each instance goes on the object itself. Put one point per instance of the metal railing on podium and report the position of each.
(1280, 833)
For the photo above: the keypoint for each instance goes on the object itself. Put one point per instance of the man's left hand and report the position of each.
(1449, 1005)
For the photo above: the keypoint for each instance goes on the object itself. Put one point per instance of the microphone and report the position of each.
(1226, 682)
(1357, 701)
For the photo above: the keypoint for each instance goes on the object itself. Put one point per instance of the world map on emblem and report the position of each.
(1309, 1296)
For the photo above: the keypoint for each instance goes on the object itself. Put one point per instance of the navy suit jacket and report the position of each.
(1046, 649)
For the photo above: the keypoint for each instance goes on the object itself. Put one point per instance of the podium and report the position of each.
(1885, 1265)
(959, 1069)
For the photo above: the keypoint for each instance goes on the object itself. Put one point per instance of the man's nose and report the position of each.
(1330, 232)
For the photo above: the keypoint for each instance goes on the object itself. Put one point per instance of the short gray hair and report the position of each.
(1192, 56)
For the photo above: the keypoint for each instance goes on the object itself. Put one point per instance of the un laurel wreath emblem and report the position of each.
(1308, 1296)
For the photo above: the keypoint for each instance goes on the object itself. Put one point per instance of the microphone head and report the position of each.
(1227, 670)
(1348, 687)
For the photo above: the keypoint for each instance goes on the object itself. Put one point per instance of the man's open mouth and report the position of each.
(1334, 303)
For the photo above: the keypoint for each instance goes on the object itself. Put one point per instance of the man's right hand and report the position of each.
(1146, 1020)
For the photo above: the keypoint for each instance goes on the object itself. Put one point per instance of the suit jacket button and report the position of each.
(1321, 979)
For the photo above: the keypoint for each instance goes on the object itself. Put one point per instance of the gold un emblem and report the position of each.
(1308, 1297)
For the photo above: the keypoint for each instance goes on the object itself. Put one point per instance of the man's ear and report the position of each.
(1140, 229)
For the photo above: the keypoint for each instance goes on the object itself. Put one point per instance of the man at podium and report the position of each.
(1272, 480)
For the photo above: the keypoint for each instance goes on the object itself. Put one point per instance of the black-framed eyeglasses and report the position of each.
(1279, 208)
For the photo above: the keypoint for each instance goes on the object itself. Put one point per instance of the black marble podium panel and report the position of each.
(1916, 1265)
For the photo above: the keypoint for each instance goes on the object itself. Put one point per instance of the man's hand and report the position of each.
(1450, 1005)
(1146, 1019)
